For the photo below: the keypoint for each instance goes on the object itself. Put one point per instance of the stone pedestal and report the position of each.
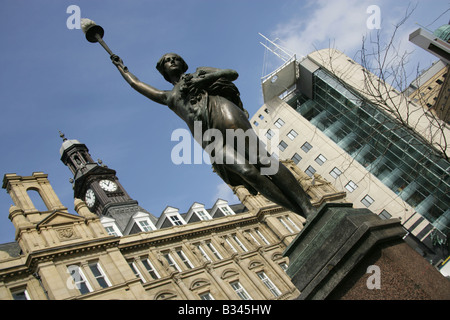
(348, 253)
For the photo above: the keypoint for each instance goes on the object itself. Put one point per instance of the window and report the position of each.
(253, 237)
(367, 201)
(292, 134)
(385, 215)
(175, 220)
(282, 146)
(270, 134)
(256, 123)
(150, 269)
(240, 291)
(20, 294)
(136, 271)
(231, 246)
(111, 231)
(266, 111)
(185, 260)
(310, 171)
(110, 226)
(99, 275)
(351, 186)
(240, 244)
(79, 279)
(292, 223)
(226, 211)
(320, 159)
(335, 172)
(284, 266)
(306, 147)
(145, 226)
(262, 236)
(206, 296)
(288, 224)
(172, 262)
(204, 254)
(269, 284)
(214, 251)
(279, 123)
(296, 158)
(261, 116)
(203, 215)
(284, 223)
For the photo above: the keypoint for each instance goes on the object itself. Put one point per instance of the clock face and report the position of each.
(108, 185)
(90, 198)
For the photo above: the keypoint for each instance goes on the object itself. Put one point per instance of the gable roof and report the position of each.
(59, 218)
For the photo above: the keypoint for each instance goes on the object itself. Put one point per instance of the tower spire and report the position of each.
(62, 136)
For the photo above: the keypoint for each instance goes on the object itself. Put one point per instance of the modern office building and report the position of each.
(328, 117)
(432, 88)
(114, 249)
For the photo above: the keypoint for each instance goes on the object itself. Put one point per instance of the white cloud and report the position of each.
(224, 192)
(340, 22)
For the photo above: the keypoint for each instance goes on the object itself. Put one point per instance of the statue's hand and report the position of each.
(117, 61)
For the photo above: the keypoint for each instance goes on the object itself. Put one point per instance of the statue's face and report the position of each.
(172, 62)
(171, 66)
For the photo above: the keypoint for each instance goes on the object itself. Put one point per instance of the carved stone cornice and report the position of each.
(269, 211)
(11, 272)
(51, 254)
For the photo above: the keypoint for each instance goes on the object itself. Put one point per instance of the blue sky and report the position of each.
(53, 79)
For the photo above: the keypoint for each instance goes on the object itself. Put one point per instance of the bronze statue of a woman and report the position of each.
(209, 96)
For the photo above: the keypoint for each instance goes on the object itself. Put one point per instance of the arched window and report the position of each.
(77, 159)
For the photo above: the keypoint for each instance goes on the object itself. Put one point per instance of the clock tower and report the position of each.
(98, 185)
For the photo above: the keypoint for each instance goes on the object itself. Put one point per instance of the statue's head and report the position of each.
(160, 66)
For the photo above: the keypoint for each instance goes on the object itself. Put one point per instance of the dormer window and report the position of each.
(169, 218)
(221, 208)
(203, 215)
(143, 221)
(110, 226)
(197, 212)
(140, 222)
(226, 210)
(145, 226)
(176, 220)
(111, 231)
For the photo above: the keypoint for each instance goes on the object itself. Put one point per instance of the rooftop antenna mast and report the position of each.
(281, 52)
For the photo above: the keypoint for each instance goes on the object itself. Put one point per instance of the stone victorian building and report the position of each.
(111, 248)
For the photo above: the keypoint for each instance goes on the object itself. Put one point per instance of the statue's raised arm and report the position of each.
(147, 90)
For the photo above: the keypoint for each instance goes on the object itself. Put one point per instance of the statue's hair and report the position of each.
(160, 65)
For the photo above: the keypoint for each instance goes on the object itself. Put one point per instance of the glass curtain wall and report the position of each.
(394, 154)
